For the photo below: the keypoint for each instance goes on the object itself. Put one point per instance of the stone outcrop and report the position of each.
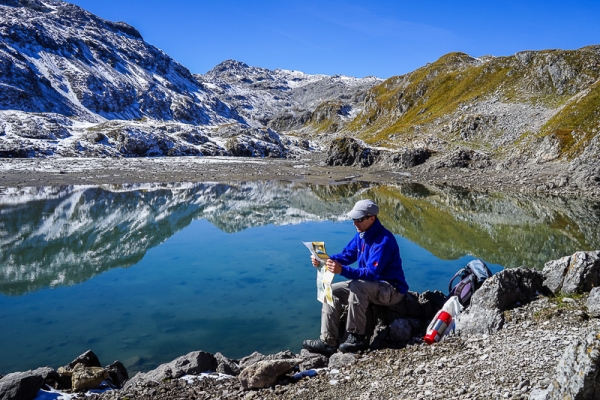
(462, 158)
(265, 373)
(350, 152)
(577, 273)
(578, 371)
(499, 293)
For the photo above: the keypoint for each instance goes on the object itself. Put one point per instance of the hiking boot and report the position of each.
(319, 346)
(354, 343)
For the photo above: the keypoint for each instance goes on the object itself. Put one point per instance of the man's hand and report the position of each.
(333, 266)
(315, 261)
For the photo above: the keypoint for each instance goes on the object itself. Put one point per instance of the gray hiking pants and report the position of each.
(357, 295)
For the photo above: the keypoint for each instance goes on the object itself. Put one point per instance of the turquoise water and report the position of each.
(202, 267)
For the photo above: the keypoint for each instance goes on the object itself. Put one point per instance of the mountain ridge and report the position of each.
(74, 84)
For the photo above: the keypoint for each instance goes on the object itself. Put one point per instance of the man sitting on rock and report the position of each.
(378, 279)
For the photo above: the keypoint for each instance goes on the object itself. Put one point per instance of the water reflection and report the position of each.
(62, 236)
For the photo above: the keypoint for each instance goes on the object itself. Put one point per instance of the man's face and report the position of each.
(364, 223)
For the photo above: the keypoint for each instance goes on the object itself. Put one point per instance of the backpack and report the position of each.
(471, 277)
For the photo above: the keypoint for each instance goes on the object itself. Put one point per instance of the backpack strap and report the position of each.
(458, 274)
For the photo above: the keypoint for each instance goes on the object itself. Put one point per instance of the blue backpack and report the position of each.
(471, 277)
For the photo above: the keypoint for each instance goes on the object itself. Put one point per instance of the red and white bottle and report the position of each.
(438, 327)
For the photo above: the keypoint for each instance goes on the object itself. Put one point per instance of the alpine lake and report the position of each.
(146, 273)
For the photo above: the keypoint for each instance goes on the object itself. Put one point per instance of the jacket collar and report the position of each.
(373, 230)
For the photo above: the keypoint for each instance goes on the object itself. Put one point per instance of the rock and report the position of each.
(256, 357)
(577, 273)
(118, 373)
(251, 359)
(265, 373)
(578, 371)
(87, 377)
(463, 158)
(593, 302)
(497, 294)
(508, 287)
(479, 320)
(312, 360)
(407, 158)
(400, 330)
(192, 363)
(24, 385)
(347, 151)
(95, 137)
(339, 360)
(226, 366)
(87, 359)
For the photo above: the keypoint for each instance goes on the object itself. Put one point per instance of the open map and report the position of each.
(324, 277)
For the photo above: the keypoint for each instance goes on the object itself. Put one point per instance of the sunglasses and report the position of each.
(359, 220)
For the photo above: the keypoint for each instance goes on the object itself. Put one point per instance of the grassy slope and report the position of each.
(434, 92)
(577, 123)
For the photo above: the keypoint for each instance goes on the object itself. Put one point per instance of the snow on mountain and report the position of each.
(60, 58)
(281, 99)
(73, 84)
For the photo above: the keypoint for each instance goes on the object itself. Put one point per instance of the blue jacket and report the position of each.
(378, 257)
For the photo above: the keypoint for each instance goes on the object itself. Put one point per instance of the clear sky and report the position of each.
(356, 37)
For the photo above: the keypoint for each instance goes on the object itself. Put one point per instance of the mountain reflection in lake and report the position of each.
(220, 267)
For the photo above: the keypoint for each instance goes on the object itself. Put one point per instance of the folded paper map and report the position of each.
(324, 277)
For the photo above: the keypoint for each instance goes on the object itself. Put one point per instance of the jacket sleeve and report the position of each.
(379, 255)
(349, 254)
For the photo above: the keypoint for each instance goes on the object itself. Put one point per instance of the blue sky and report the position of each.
(359, 38)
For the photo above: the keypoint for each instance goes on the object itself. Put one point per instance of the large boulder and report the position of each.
(578, 371)
(266, 373)
(501, 292)
(24, 385)
(577, 273)
(192, 363)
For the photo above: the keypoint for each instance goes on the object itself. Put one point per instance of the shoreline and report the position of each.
(543, 179)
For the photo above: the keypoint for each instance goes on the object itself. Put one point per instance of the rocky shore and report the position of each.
(552, 179)
(526, 335)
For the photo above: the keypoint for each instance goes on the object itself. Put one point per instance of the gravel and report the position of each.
(548, 178)
(513, 363)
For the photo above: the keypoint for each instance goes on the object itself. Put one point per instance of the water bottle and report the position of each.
(438, 326)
